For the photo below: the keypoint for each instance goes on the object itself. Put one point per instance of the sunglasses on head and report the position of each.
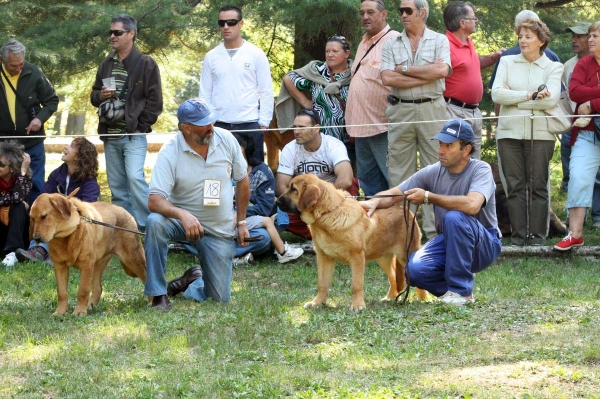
(229, 22)
(117, 32)
(407, 10)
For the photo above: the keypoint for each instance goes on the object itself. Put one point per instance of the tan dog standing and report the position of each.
(56, 220)
(342, 231)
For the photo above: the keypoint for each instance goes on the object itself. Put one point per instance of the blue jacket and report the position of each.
(262, 191)
(89, 190)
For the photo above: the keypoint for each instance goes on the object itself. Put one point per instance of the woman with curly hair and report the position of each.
(15, 186)
(79, 170)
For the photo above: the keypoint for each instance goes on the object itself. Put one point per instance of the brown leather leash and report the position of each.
(112, 226)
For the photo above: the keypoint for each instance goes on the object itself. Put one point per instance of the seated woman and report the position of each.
(15, 186)
(322, 86)
(260, 209)
(79, 170)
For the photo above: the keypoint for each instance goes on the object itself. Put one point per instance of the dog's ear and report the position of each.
(63, 205)
(73, 193)
(309, 197)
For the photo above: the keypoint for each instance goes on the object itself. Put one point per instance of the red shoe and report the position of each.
(568, 242)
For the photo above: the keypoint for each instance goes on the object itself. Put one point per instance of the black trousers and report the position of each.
(16, 234)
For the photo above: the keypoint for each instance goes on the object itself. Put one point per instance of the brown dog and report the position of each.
(342, 231)
(88, 247)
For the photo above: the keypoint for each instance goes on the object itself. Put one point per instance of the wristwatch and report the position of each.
(404, 69)
(426, 199)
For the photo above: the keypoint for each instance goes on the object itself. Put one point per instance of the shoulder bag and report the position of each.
(560, 120)
(112, 110)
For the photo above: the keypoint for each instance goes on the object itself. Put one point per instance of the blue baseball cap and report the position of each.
(454, 130)
(196, 112)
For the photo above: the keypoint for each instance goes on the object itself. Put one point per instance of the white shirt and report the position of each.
(295, 160)
(238, 88)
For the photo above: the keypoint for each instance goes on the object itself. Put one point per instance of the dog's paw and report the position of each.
(80, 311)
(388, 298)
(357, 307)
(59, 312)
(312, 304)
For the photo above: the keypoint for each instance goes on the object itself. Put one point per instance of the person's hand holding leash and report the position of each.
(415, 196)
(243, 233)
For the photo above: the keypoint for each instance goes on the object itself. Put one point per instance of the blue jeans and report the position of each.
(565, 158)
(448, 261)
(125, 171)
(38, 167)
(371, 163)
(257, 135)
(215, 253)
(257, 248)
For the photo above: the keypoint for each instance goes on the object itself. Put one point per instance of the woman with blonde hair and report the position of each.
(527, 84)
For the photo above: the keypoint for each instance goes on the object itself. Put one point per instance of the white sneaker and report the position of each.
(452, 298)
(10, 260)
(244, 260)
(290, 253)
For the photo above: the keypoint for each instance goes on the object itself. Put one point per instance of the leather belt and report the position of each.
(417, 101)
(454, 101)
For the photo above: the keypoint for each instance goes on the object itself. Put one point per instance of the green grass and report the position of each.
(532, 333)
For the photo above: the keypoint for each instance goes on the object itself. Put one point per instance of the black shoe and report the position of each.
(161, 302)
(180, 284)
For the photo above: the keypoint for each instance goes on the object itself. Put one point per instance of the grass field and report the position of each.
(532, 333)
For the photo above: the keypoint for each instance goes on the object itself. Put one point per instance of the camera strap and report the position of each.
(369, 50)
(14, 90)
(122, 92)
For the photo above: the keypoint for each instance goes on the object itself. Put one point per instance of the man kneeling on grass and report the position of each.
(461, 190)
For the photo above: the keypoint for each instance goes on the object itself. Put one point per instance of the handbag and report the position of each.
(112, 110)
(559, 120)
(4, 212)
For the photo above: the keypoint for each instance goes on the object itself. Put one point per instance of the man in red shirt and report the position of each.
(464, 88)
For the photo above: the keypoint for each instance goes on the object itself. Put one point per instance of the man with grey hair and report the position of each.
(125, 142)
(464, 88)
(415, 64)
(365, 110)
(519, 19)
(27, 101)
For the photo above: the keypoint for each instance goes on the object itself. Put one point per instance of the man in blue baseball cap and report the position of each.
(191, 199)
(461, 190)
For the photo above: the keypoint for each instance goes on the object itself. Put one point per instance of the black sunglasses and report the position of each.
(117, 32)
(229, 22)
(407, 10)
(2, 164)
(540, 88)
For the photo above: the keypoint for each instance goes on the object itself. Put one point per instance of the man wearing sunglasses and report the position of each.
(24, 90)
(415, 65)
(125, 142)
(464, 88)
(236, 81)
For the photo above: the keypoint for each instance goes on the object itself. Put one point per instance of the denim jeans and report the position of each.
(565, 158)
(37, 154)
(371, 163)
(257, 135)
(125, 171)
(215, 253)
(449, 261)
(257, 247)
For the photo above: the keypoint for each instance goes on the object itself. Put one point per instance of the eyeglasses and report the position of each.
(540, 88)
(229, 22)
(407, 10)
(117, 32)
(471, 19)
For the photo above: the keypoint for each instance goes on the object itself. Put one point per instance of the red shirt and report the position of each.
(585, 86)
(465, 83)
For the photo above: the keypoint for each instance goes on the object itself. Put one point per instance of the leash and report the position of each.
(92, 221)
(409, 241)
(368, 197)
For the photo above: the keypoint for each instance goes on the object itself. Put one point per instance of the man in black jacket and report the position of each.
(27, 101)
(125, 142)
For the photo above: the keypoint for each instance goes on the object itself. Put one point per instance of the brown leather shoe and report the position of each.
(180, 284)
(161, 302)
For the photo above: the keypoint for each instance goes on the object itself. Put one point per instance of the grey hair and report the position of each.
(525, 15)
(12, 46)
(129, 23)
(455, 12)
(423, 5)
(12, 151)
